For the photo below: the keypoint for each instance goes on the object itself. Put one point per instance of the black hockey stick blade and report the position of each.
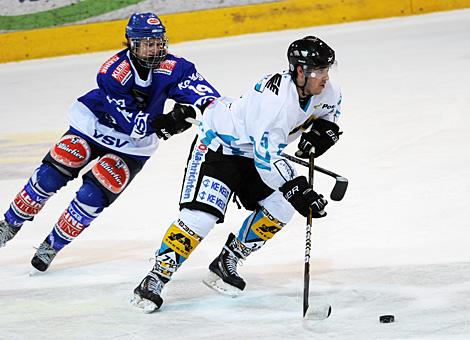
(341, 184)
(339, 189)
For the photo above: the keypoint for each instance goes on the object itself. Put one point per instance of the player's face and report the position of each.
(150, 47)
(314, 80)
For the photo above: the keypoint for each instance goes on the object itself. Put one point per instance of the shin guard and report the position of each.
(44, 182)
(84, 208)
(259, 227)
(71, 223)
(178, 243)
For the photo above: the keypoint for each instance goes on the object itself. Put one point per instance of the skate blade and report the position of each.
(145, 305)
(35, 272)
(216, 283)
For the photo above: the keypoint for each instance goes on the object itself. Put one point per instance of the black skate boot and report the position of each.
(147, 295)
(7, 232)
(43, 257)
(223, 276)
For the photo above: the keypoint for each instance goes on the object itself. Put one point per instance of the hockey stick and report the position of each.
(341, 183)
(320, 312)
(308, 235)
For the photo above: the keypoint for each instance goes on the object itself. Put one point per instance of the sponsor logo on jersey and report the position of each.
(213, 192)
(328, 107)
(192, 172)
(112, 172)
(324, 106)
(72, 151)
(24, 206)
(140, 125)
(107, 64)
(122, 72)
(166, 67)
(109, 140)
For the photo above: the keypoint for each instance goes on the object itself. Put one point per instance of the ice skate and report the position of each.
(43, 257)
(7, 232)
(223, 276)
(147, 293)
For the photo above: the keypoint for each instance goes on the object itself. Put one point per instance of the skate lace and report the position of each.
(45, 253)
(155, 285)
(6, 232)
(231, 262)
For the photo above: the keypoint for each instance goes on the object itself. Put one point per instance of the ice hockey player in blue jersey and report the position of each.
(119, 124)
(239, 152)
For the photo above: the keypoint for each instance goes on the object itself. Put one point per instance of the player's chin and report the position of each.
(317, 90)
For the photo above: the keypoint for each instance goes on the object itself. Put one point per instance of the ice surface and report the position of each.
(397, 244)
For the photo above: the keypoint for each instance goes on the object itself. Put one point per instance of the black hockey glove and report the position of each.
(173, 122)
(298, 193)
(323, 135)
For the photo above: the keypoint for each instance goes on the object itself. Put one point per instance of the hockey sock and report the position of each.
(87, 205)
(178, 243)
(259, 227)
(71, 223)
(44, 182)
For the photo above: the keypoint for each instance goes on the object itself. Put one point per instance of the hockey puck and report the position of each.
(386, 318)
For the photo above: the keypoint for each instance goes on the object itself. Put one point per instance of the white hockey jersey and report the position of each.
(261, 123)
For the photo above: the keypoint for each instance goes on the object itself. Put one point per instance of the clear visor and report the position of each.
(319, 72)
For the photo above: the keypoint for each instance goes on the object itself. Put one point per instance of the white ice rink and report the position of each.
(399, 242)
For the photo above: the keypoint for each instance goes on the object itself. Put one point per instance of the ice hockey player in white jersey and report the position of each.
(239, 152)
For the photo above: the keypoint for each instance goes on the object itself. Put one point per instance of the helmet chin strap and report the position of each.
(302, 88)
(303, 97)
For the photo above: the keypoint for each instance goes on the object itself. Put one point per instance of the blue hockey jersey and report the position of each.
(118, 113)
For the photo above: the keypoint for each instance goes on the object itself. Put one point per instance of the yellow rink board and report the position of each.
(289, 14)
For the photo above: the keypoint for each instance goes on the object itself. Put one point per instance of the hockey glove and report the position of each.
(173, 122)
(323, 135)
(302, 197)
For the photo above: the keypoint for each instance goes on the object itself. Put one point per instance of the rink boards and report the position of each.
(280, 15)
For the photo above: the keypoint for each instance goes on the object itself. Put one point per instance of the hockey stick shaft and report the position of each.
(316, 167)
(308, 236)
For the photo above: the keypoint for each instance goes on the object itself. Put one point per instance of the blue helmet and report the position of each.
(146, 38)
(144, 25)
